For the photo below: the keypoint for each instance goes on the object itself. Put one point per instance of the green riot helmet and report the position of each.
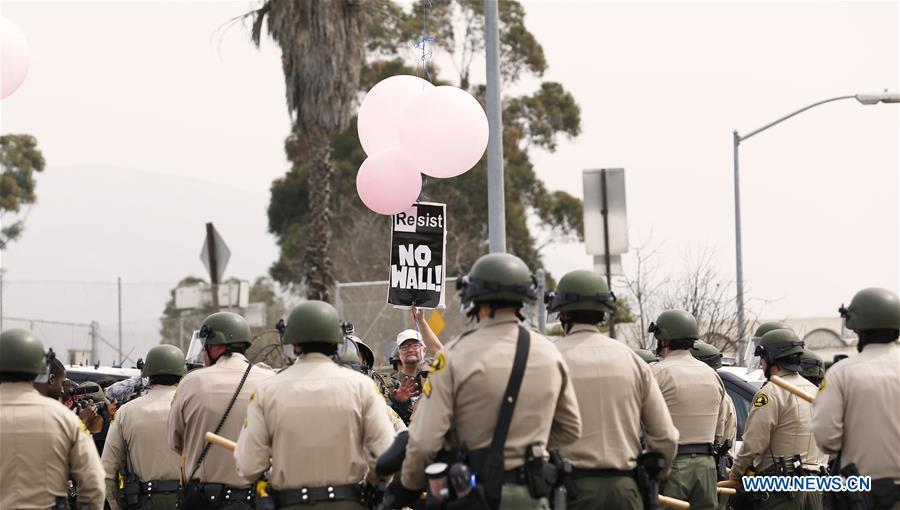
(21, 351)
(497, 277)
(707, 353)
(313, 322)
(872, 308)
(675, 329)
(754, 340)
(348, 354)
(224, 328)
(581, 291)
(366, 352)
(782, 346)
(812, 367)
(164, 360)
(646, 355)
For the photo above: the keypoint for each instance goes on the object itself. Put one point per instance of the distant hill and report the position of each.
(93, 224)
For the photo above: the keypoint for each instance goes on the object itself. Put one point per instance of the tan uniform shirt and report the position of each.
(730, 421)
(857, 411)
(319, 423)
(141, 424)
(464, 390)
(778, 426)
(695, 397)
(200, 402)
(42, 446)
(617, 393)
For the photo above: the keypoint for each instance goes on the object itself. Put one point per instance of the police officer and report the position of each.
(318, 425)
(712, 356)
(777, 439)
(856, 411)
(43, 444)
(762, 329)
(139, 473)
(618, 394)
(697, 402)
(812, 367)
(207, 397)
(462, 395)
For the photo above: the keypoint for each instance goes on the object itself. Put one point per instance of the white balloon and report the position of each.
(445, 131)
(378, 122)
(13, 57)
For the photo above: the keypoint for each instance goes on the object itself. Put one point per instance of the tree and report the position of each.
(643, 284)
(176, 326)
(20, 158)
(323, 49)
(531, 121)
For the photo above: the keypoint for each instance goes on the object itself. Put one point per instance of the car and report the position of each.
(741, 385)
(82, 373)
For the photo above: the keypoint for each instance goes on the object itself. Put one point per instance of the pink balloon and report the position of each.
(13, 57)
(381, 112)
(445, 131)
(388, 182)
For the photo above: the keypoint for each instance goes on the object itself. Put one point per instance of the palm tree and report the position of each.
(323, 50)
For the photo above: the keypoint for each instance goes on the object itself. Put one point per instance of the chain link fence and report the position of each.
(377, 323)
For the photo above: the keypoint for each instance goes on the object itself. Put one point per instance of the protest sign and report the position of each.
(418, 238)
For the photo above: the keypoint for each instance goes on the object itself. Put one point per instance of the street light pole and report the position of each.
(496, 194)
(866, 99)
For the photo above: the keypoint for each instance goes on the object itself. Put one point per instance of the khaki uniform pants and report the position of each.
(799, 501)
(326, 505)
(612, 492)
(159, 502)
(693, 479)
(517, 497)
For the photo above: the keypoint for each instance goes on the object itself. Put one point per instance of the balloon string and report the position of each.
(424, 40)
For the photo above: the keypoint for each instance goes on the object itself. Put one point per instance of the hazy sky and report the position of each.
(144, 89)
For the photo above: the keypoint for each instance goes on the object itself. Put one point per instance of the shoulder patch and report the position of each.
(761, 400)
(822, 385)
(439, 363)
(253, 396)
(426, 388)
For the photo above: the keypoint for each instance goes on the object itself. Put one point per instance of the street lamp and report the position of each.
(866, 99)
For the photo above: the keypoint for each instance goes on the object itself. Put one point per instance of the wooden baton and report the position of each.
(674, 503)
(218, 440)
(728, 484)
(725, 490)
(778, 381)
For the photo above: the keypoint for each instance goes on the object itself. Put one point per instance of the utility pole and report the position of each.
(95, 335)
(496, 196)
(120, 321)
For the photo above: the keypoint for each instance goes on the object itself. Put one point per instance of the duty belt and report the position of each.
(515, 476)
(348, 492)
(160, 486)
(600, 473)
(695, 449)
(221, 494)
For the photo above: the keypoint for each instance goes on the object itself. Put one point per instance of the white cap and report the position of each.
(408, 334)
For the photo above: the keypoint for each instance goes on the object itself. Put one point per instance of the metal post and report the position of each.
(496, 197)
(95, 334)
(605, 212)
(213, 267)
(542, 306)
(120, 320)
(338, 305)
(737, 247)
(1, 299)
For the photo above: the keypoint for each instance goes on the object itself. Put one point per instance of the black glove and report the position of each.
(398, 496)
